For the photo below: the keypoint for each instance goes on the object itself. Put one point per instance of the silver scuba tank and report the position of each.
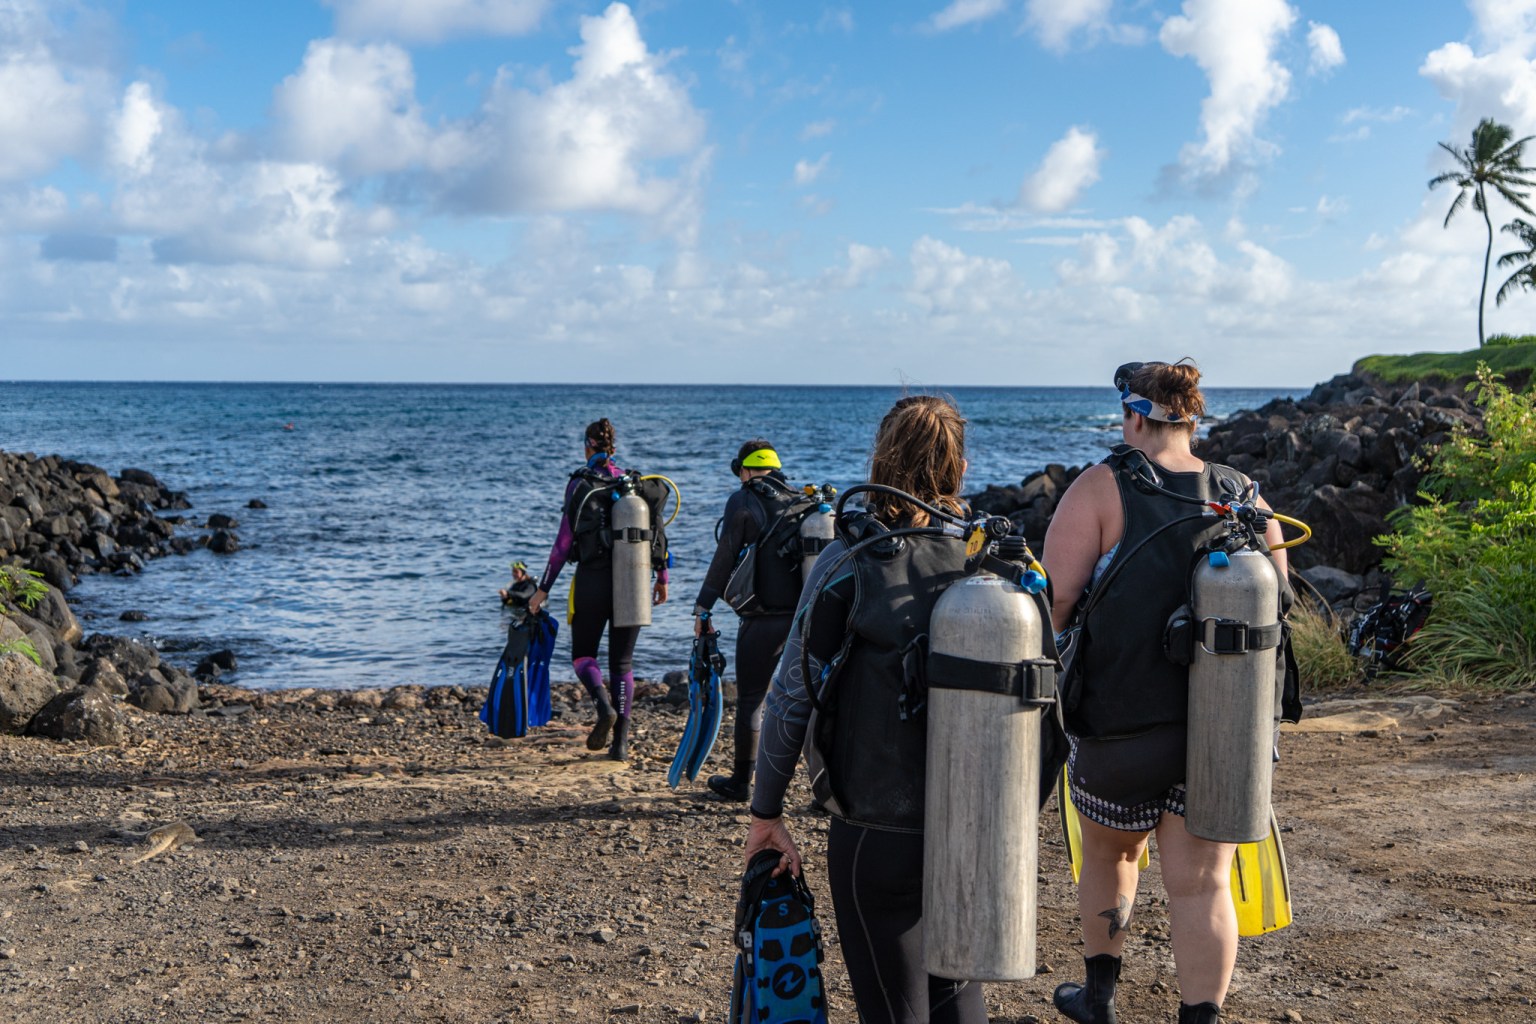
(631, 522)
(982, 811)
(1229, 764)
(817, 529)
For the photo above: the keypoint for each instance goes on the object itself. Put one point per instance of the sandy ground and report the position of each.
(373, 857)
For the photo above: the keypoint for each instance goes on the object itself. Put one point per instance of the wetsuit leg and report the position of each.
(621, 666)
(593, 606)
(759, 645)
(876, 879)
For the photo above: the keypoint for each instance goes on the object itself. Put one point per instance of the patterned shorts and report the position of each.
(1141, 817)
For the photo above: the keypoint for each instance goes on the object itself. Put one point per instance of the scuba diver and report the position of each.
(858, 628)
(751, 513)
(517, 593)
(1119, 552)
(586, 538)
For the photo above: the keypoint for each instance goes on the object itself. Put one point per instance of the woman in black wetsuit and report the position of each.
(875, 758)
(593, 598)
(751, 510)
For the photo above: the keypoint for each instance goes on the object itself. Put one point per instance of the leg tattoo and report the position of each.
(1119, 918)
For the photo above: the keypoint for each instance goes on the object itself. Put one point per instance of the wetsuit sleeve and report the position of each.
(738, 529)
(787, 711)
(562, 548)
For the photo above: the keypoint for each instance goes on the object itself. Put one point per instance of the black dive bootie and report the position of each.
(737, 786)
(1200, 1013)
(620, 749)
(1092, 1002)
(597, 739)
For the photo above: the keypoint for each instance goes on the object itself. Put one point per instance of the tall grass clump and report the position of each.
(1322, 657)
(1473, 543)
(1510, 339)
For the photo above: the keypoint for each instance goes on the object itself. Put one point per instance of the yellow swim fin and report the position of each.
(570, 604)
(1072, 829)
(1261, 885)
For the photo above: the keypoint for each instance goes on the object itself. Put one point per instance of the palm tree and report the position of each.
(1524, 277)
(1491, 161)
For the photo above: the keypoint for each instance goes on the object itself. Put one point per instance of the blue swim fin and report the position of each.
(506, 705)
(704, 706)
(541, 650)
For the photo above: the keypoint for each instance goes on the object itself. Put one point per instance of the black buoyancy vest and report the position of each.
(876, 759)
(777, 568)
(590, 509)
(1127, 685)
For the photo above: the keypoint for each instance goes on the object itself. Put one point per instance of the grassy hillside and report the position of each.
(1516, 362)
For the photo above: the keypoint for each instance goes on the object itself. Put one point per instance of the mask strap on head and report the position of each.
(1140, 403)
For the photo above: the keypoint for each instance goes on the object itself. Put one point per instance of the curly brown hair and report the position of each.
(600, 436)
(1175, 387)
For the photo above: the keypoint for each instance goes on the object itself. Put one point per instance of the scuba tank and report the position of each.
(1229, 763)
(631, 519)
(818, 528)
(988, 686)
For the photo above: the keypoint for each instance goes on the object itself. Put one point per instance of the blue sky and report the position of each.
(981, 191)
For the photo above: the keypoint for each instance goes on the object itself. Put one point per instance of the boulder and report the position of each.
(255, 503)
(53, 612)
(156, 694)
(215, 665)
(223, 542)
(54, 569)
(131, 657)
(1334, 585)
(140, 476)
(87, 714)
(1344, 522)
(104, 676)
(24, 689)
(220, 521)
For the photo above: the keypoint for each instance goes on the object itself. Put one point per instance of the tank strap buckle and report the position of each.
(1032, 680)
(1230, 636)
(634, 535)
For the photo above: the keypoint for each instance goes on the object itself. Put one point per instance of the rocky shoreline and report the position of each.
(1340, 459)
(60, 519)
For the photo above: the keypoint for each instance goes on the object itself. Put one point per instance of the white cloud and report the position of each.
(1386, 115)
(1330, 208)
(966, 12)
(1054, 22)
(1234, 45)
(137, 125)
(838, 19)
(947, 282)
(1070, 166)
(586, 143)
(818, 129)
(353, 107)
(1327, 52)
(807, 171)
(53, 100)
(431, 21)
(863, 262)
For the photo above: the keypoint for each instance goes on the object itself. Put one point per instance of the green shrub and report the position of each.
(1321, 655)
(1474, 544)
(25, 588)
(1495, 340)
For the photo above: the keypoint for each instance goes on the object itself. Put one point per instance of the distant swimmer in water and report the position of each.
(287, 426)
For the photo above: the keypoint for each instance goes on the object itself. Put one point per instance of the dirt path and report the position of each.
(359, 862)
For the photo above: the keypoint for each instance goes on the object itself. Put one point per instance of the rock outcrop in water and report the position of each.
(64, 518)
(1340, 459)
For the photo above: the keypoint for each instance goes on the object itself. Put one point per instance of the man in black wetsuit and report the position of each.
(750, 513)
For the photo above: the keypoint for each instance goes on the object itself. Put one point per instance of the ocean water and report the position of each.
(394, 510)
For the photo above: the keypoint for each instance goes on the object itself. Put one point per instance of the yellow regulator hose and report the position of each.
(1306, 532)
(677, 505)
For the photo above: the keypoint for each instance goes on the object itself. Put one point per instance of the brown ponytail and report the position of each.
(1175, 387)
(600, 436)
(919, 448)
